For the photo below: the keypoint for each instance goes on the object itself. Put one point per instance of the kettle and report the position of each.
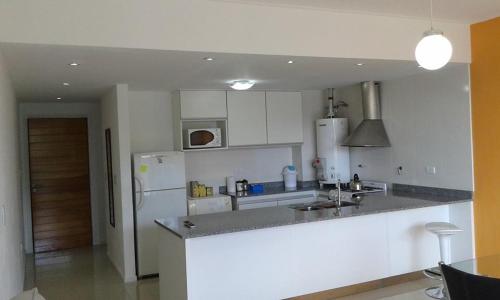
(355, 183)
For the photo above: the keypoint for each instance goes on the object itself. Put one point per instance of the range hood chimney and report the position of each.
(371, 132)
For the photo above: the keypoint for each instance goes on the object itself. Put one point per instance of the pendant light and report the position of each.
(434, 50)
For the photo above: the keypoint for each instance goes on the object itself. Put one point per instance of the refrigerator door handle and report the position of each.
(140, 203)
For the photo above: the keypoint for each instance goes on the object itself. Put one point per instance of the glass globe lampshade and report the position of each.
(433, 51)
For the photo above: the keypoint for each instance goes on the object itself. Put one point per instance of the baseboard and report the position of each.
(361, 287)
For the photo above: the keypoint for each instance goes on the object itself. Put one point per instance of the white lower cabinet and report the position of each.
(296, 201)
(257, 205)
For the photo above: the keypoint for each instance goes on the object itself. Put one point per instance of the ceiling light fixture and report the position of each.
(209, 58)
(434, 50)
(359, 64)
(242, 85)
(59, 98)
(290, 61)
(66, 83)
(73, 64)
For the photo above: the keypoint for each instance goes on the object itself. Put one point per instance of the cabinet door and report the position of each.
(296, 201)
(257, 205)
(284, 117)
(246, 118)
(203, 104)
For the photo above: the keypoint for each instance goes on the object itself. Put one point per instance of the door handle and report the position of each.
(34, 188)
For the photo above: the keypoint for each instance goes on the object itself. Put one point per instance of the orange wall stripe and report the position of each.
(485, 88)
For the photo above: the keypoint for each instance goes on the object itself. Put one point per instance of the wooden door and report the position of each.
(60, 187)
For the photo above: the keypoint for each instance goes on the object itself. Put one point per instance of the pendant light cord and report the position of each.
(432, 16)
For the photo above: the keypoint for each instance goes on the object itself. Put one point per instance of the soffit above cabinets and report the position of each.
(38, 72)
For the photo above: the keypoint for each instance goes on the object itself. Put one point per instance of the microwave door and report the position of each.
(201, 138)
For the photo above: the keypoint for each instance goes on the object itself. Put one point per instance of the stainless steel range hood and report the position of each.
(371, 132)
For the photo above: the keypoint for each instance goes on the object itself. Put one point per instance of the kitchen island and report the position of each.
(281, 252)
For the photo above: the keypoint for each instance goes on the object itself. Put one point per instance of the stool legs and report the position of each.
(444, 248)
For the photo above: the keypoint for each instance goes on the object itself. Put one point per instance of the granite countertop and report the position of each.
(252, 219)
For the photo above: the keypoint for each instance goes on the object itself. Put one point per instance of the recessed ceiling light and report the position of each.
(73, 64)
(359, 64)
(66, 83)
(209, 58)
(242, 85)
(59, 98)
(290, 61)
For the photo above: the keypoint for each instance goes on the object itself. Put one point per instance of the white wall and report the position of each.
(11, 252)
(206, 25)
(427, 118)
(253, 164)
(91, 111)
(150, 121)
(120, 239)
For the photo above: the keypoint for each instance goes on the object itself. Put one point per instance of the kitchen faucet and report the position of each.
(336, 197)
(339, 203)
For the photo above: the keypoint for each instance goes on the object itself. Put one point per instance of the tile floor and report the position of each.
(84, 274)
(87, 274)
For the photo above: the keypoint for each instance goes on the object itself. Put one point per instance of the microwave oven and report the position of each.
(202, 138)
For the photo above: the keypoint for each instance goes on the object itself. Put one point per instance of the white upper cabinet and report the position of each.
(203, 104)
(284, 117)
(246, 118)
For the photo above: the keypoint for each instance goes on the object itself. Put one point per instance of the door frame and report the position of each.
(90, 111)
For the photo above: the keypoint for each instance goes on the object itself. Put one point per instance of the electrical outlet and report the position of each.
(431, 170)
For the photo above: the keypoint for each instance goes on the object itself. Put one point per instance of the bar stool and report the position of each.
(443, 231)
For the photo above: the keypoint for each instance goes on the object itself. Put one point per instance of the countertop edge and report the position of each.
(319, 219)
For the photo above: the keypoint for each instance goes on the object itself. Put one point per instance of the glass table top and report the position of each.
(485, 266)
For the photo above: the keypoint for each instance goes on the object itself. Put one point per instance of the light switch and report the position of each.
(430, 170)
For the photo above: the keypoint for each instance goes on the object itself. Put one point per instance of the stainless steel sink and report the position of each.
(320, 205)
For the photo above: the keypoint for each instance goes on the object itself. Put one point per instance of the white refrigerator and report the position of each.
(159, 192)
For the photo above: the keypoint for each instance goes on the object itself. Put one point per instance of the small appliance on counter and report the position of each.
(202, 138)
(230, 185)
(242, 185)
(239, 186)
(290, 177)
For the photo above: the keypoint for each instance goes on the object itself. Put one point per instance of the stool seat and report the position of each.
(442, 228)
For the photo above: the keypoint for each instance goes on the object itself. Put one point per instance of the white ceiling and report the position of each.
(463, 11)
(38, 72)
